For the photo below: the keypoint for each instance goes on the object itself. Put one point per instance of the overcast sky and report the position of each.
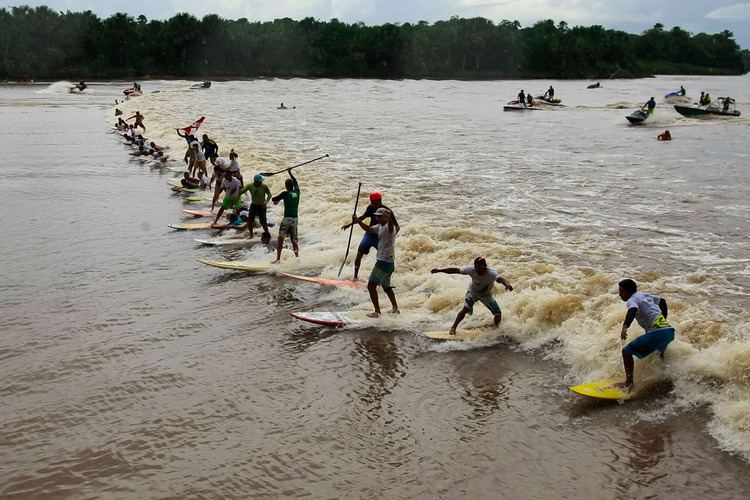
(630, 15)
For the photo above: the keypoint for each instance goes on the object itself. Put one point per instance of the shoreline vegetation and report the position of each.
(39, 43)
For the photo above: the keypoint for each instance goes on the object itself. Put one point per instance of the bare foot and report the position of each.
(628, 384)
(452, 331)
(395, 311)
(276, 261)
(373, 314)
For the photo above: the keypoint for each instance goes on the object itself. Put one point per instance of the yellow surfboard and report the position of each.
(603, 389)
(186, 226)
(238, 265)
(470, 334)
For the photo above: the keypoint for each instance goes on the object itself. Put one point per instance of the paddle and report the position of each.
(351, 230)
(269, 174)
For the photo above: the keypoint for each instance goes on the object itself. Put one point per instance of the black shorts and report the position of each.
(258, 211)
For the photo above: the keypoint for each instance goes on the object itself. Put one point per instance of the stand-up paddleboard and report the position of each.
(461, 335)
(602, 389)
(198, 213)
(334, 319)
(238, 265)
(189, 226)
(325, 281)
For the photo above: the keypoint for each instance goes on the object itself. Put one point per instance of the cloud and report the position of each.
(733, 12)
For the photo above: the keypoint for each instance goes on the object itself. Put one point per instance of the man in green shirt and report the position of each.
(260, 195)
(288, 226)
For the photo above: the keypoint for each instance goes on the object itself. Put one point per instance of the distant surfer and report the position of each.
(260, 195)
(385, 230)
(529, 100)
(369, 240)
(521, 98)
(483, 279)
(650, 311)
(664, 136)
(138, 120)
(682, 91)
(281, 106)
(231, 188)
(288, 226)
(550, 94)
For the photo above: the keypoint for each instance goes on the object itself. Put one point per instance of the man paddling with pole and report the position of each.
(369, 240)
(288, 226)
(385, 230)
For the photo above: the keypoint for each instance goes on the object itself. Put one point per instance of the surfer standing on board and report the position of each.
(651, 313)
(288, 226)
(483, 279)
(369, 240)
(385, 230)
(138, 120)
(260, 195)
(231, 187)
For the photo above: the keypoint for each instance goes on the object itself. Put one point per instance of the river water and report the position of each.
(131, 371)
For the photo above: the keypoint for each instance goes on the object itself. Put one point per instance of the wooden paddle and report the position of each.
(269, 174)
(351, 229)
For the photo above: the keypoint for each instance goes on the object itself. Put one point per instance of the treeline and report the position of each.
(38, 43)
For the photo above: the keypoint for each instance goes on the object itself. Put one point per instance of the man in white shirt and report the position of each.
(386, 231)
(231, 187)
(651, 313)
(483, 280)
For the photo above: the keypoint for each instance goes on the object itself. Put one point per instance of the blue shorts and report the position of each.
(656, 340)
(368, 241)
(381, 273)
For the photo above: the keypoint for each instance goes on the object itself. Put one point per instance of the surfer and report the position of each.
(650, 311)
(138, 120)
(550, 94)
(682, 91)
(521, 98)
(483, 279)
(260, 195)
(288, 226)
(210, 149)
(189, 182)
(369, 240)
(231, 187)
(664, 136)
(529, 100)
(385, 230)
(282, 106)
(199, 164)
(236, 221)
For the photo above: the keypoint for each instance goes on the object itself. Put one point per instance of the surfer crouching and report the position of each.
(651, 313)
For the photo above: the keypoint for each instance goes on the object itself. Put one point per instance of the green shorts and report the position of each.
(228, 202)
(488, 301)
(381, 273)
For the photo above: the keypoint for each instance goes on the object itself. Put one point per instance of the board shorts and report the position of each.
(381, 273)
(368, 241)
(488, 301)
(258, 211)
(201, 165)
(228, 202)
(288, 227)
(655, 340)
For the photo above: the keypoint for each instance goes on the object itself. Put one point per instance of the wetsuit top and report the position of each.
(210, 148)
(370, 212)
(260, 195)
(291, 199)
(651, 104)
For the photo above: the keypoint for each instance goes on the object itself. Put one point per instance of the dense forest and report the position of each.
(39, 43)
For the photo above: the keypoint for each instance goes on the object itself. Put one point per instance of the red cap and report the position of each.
(376, 196)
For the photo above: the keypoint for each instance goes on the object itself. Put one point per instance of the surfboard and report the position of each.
(185, 190)
(238, 265)
(461, 335)
(227, 241)
(190, 226)
(602, 389)
(198, 213)
(325, 281)
(334, 319)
